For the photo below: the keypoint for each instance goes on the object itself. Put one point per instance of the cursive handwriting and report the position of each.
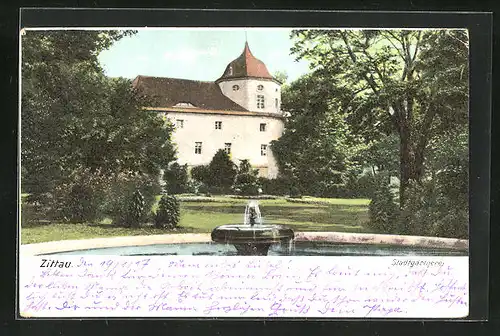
(252, 286)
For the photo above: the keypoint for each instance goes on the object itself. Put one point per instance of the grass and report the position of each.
(338, 216)
(58, 231)
(341, 215)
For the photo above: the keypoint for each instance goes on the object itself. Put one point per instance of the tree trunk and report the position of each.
(405, 159)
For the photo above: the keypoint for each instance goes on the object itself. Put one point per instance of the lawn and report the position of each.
(341, 215)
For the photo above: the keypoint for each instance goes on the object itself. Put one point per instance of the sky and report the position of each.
(198, 54)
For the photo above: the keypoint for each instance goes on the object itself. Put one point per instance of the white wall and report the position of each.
(243, 132)
(246, 96)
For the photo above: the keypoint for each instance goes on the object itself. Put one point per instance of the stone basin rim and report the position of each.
(177, 238)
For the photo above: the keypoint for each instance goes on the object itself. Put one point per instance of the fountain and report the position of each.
(253, 237)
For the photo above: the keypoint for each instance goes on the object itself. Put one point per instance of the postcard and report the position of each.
(239, 172)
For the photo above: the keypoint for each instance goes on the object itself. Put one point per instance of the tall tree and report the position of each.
(79, 126)
(414, 83)
(222, 171)
(317, 147)
(281, 76)
(176, 178)
(246, 181)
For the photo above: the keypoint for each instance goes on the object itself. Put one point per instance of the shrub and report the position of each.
(200, 174)
(431, 209)
(194, 187)
(168, 213)
(79, 199)
(118, 195)
(417, 212)
(247, 184)
(279, 186)
(383, 210)
(135, 212)
(176, 178)
(81, 205)
(222, 172)
(363, 186)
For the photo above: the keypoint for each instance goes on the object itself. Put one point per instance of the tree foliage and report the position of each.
(176, 178)
(219, 175)
(246, 181)
(80, 127)
(168, 214)
(222, 171)
(317, 147)
(412, 83)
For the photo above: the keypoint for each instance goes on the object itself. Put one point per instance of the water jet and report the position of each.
(252, 237)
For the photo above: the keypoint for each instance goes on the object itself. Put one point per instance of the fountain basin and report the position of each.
(300, 248)
(305, 243)
(252, 240)
(259, 234)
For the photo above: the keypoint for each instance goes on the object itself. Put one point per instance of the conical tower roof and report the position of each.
(246, 66)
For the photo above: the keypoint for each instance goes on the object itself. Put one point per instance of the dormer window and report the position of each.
(230, 70)
(236, 87)
(260, 87)
(184, 105)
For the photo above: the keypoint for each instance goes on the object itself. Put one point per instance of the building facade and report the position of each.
(239, 112)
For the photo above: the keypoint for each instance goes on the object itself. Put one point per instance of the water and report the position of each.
(252, 206)
(292, 249)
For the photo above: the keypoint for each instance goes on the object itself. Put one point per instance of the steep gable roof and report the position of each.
(168, 92)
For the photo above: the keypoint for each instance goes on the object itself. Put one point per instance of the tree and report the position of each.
(176, 178)
(439, 206)
(317, 148)
(247, 179)
(201, 174)
(412, 83)
(281, 76)
(222, 171)
(168, 214)
(78, 126)
(382, 155)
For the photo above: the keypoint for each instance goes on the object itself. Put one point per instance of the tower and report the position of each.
(247, 82)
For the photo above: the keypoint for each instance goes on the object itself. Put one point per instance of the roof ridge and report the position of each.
(171, 91)
(176, 78)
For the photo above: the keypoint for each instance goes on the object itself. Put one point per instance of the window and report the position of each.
(276, 103)
(236, 87)
(179, 123)
(218, 125)
(260, 87)
(263, 150)
(197, 147)
(230, 70)
(260, 101)
(227, 148)
(262, 127)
